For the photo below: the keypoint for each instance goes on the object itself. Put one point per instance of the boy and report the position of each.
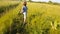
(24, 11)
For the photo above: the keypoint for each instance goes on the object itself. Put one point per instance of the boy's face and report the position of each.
(24, 3)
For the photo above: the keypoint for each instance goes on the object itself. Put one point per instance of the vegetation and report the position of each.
(39, 19)
(6, 19)
(8, 6)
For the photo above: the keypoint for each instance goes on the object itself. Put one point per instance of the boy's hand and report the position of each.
(21, 12)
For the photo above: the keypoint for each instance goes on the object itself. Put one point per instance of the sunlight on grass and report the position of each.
(40, 16)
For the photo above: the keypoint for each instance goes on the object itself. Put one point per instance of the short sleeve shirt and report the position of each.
(24, 8)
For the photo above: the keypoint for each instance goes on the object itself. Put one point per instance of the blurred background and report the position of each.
(43, 17)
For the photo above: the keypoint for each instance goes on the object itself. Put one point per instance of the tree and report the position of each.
(50, 1)
(30, 0)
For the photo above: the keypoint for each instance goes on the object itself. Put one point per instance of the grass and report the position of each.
(40, 16)
(4, 8)
(9, 5)
(6, 20)
(3, 3)
(39, 19)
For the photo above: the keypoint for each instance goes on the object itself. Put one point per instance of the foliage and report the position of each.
(39, 19)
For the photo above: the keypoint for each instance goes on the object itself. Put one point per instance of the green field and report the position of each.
(6, 19)
(39, 19)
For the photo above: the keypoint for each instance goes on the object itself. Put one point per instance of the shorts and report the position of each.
(25, 15)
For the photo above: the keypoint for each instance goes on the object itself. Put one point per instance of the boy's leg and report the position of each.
(25, 17)
(24, 20)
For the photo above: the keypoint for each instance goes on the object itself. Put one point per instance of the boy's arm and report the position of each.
(21, 10)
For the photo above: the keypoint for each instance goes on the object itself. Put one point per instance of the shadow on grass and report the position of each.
(16, 26)
(4, 8)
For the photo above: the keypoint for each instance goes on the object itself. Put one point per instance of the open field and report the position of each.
(8, 16)
(39, 19)
(5, 6)
(7, 3)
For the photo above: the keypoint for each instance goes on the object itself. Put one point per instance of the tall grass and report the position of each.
(39, 19)
(3, 9)
(6, 19)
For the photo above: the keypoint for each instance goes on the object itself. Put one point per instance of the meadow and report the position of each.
(40, 16)
(6, 18)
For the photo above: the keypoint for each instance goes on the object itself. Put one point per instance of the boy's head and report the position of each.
(24, 3)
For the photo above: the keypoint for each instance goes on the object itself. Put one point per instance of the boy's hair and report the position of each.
(24, 3)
